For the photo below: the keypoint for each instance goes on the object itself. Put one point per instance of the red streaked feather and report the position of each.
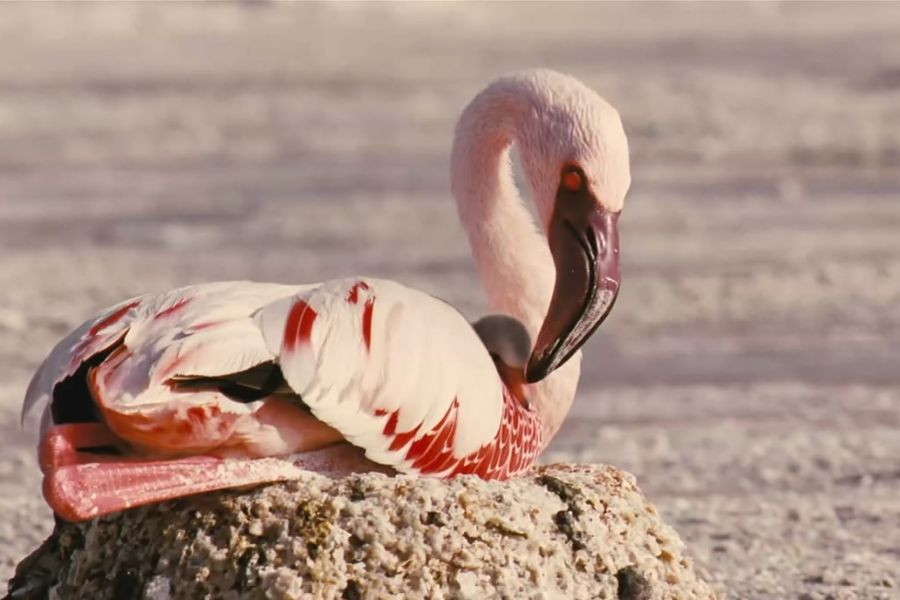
(391, 426)
(431, 445)
(173, 310)
(353, 294)
(367, 322)
(299, 325)
(432, 452)
(112, 318)
(404, 438)
(439, 450)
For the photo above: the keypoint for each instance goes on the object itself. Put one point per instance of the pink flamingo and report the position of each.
(231, 384)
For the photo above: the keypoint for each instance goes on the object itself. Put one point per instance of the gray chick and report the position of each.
(509, 345)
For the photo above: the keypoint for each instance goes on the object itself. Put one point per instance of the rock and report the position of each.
(560, 532)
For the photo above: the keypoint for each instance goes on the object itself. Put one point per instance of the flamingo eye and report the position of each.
(572, 179)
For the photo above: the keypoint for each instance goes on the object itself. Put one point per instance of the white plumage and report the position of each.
(358, 353)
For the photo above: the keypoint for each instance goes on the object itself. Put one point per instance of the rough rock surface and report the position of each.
(562, 532)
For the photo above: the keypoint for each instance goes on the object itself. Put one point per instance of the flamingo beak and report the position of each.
(584, 242)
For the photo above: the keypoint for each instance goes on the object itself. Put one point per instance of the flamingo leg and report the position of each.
(81, 485)
(60, 445)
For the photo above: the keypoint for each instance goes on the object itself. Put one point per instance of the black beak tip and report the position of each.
(533, 375)
(537, 370)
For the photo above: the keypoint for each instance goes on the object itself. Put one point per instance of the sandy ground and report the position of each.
(749, 373)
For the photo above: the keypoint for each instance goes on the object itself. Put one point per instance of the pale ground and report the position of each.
(749, 373)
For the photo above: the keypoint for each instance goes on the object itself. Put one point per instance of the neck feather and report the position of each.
(511, 254)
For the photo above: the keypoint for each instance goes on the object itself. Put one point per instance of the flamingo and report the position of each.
(233, 384)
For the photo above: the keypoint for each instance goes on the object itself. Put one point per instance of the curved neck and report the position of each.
(511, 254)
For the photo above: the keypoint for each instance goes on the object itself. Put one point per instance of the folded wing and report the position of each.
(402, 375)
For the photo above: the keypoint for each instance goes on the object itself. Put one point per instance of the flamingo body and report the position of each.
(395, 372)
(237, 383)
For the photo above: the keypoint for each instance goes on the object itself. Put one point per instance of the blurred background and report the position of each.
(749, 373)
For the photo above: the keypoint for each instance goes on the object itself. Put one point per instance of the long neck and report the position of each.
(511, 254)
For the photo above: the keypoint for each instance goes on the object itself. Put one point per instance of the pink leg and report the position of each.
(84, 491)
(80, 485)
(59, 446)
(84, 485)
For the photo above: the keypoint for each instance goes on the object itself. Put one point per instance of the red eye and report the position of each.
(572, 180)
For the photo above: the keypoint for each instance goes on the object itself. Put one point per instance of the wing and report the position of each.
(130, 351)
(91, 338)
(402, 375)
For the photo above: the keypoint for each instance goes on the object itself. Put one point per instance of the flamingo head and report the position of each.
(574, 153)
